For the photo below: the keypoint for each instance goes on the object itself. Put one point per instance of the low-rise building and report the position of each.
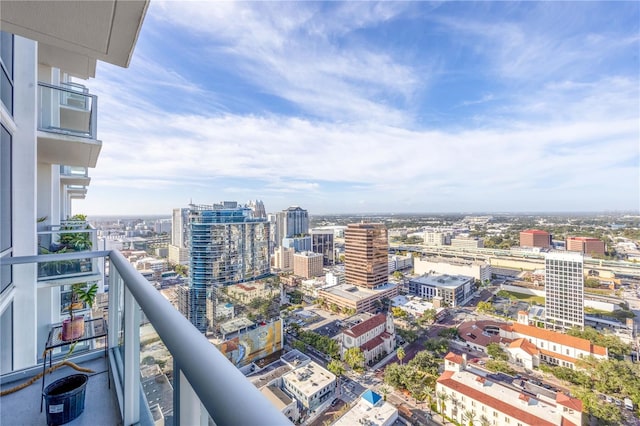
(535, 238)
(470, 390)
(467, 242)
(455, 290)
(415, 306)
(279, 399)
(311, 385)
(586, 245)
(399, 263)
(312, 287)
(371, 409)
(250, 291)
(480, 271)
(375, 336)
(360, 299)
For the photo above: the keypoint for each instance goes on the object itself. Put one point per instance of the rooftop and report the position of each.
(366, 326)
(310, 378)
(369, 410)
(555, 337)
(447, 281)
(355, 293)
(524, 408)
(534, 232)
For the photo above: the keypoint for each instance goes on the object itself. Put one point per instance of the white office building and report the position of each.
(564, 288)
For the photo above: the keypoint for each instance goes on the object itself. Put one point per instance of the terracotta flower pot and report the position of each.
(73, 329)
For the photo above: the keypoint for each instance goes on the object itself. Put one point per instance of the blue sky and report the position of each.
(374, 107)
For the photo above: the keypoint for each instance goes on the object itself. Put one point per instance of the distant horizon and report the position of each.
(550, 213)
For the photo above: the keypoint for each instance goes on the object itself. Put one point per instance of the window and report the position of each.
(6, 70)
(5, 205)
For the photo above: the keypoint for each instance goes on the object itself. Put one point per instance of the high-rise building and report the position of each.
(179, 247)
(227, 246)
(296, 222)
(535, 238)
(322, 241)
(257, 207)
(307, 264)
(48, 143)
(283, 259)
(564, 290)
(365, 255)
(586, 245)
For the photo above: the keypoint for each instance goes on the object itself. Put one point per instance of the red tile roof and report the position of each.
(373, 343)
(453, 357)
(567, 422)
(562, 339)
(567, 401)
(525, 345)
(497, 404)
(366, 326)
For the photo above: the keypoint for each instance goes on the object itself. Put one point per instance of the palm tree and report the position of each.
(336, 367)
(484, 421)
(384, 390)
(443, 397)
(400, 354)
(469, 416)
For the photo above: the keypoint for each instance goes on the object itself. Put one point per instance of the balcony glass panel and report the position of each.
(156, 375)
(67, 109)
(69, 237)
(76, 171)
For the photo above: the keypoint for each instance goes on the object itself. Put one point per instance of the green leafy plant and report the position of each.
(81, 294)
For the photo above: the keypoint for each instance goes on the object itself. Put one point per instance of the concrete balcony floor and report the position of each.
(100, 407)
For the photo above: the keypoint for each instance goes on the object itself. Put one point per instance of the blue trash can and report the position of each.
(65, 399)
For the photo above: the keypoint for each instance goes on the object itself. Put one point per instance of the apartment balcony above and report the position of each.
(64, 245)
(67, 125)
(75, 175)
(76, 191)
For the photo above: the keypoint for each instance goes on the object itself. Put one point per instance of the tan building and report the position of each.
(248, 291)
(283, 259)
(307, 264)
(467, 242)
(535, 238)
(361, 299)
(366, 254)
(586, 245)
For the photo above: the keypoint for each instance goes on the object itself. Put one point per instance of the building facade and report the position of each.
(455, 290)
(480, 271)
(462, 390)
(564, 290)
(48, 143)
(585, 245)
(322, 241)
(283, 259)
(311, 385)
(467, 242)
(227, 246)
(376, 337)
(307, 264)
(535, 238)
(357, 299)
(366, 254)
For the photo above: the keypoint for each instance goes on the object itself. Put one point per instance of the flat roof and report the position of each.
(446, 281)
(310, 378)
(364, 413)
(355, 293)
(235, 324)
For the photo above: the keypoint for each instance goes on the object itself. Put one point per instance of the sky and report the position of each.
(362, 107)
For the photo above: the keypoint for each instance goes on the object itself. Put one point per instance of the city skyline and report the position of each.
(368, 107)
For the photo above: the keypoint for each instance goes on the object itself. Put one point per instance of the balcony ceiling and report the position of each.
(73, 34)
(75, 180)
(54, 148)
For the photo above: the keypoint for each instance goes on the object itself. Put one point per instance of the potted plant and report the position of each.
(81, 294)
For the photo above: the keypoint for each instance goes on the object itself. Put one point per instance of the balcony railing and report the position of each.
(202, 387)
(67, 109)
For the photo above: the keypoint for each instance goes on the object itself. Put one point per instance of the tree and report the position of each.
(400, 354)
(398, 275)
(398, 312)
(439, 346)
(485, 307)
(299, 345)
(443, 397)
(354, 358)
(496, 352)
(469, 416)
(384, 390)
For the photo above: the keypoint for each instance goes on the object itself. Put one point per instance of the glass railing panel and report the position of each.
(67, 109)
(76, 171)
(156, 375)
(70, 238)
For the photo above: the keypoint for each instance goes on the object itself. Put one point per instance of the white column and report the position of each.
(25, 353)
(131, 359)
(191, 410)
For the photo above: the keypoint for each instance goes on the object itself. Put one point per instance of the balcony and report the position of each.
(162, 369)
(64, 244)
(74, 175)
(67, 125)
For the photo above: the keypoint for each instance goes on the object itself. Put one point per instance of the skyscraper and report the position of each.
(227, 246)
(257, 207)
(366, 252)
(322, 241)
(296, 222)
(564, 287)
(179, 247)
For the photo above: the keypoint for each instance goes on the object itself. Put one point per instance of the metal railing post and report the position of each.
(131, 359)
